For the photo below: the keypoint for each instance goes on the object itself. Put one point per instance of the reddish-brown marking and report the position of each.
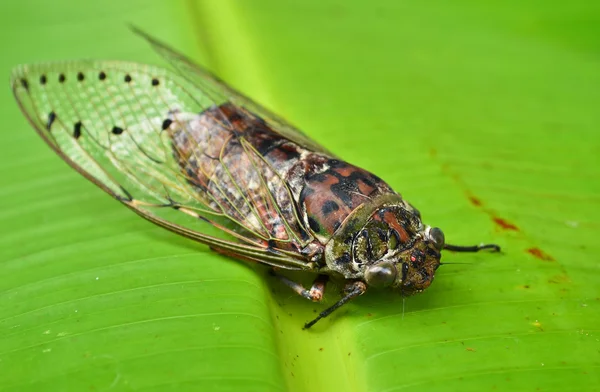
(345, 171)
(506, 225)
(475, 201)
(471, 349)
(365, 189)
(540, 254)
(391, 219)
(315, 201)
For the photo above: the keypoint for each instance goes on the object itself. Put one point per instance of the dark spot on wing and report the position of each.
(117, 130)
(25, 83)
(62, 78)
(51, 118)
(80, 76)
(102, 75)
(43, 79)
(155, 82)
(167, 123)
(127, 78)
(77, 130)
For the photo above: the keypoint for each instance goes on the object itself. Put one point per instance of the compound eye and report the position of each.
(381, 275)
(437, 236)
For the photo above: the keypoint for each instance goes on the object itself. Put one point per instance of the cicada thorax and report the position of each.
(332, 190)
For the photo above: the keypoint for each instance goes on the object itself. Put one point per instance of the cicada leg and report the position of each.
(474, 248)
(316, 291)
(352, 290)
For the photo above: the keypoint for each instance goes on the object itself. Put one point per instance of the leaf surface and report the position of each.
(483, 115)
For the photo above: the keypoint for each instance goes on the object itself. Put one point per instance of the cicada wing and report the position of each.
(220, 91)
(124, 126)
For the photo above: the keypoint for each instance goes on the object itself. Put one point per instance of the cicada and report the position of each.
(187, 152)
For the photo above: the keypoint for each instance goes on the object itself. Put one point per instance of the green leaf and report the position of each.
(483, 114)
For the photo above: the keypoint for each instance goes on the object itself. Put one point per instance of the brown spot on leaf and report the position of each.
(540, 254)
(503, 223)
(475, 201)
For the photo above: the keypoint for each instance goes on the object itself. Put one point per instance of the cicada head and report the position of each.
(416, 266)
(389, 247)
(407, 261)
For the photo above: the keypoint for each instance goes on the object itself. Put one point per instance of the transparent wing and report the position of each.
(144, 135)
(220, 91)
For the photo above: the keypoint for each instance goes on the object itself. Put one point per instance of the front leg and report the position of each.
(316, 291)
(352, 290)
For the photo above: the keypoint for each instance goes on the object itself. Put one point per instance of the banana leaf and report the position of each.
(484, 115)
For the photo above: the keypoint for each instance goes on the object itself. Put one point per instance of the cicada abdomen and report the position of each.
(182, 141)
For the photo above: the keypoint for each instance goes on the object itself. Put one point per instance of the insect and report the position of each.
(187, 152)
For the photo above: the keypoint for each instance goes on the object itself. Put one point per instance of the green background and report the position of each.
(485, 115)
